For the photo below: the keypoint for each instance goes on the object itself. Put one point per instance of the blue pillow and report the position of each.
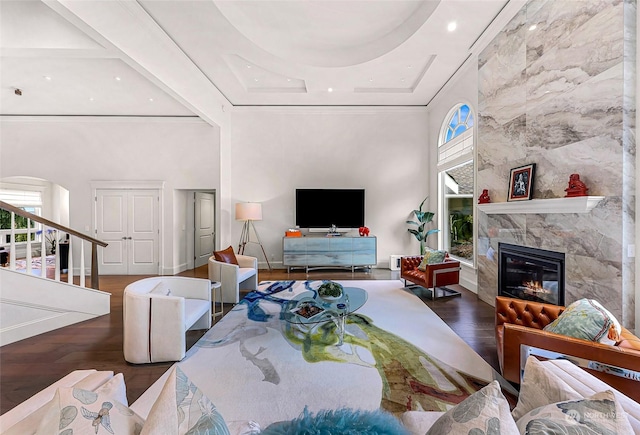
(344, 421)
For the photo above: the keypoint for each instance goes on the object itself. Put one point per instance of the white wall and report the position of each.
(463, 88)
(73, 151)
(383, 150)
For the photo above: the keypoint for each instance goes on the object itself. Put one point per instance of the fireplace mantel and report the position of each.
(577, 204)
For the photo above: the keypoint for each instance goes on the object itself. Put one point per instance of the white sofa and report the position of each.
(158, 311)
(561, 374)
(24, 418)
(233, 277)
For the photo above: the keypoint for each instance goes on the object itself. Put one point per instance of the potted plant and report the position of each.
(422, 218)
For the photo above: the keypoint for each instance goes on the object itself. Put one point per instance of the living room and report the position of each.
(262, 154)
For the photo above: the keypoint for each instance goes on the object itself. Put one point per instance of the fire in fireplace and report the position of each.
(531, 274)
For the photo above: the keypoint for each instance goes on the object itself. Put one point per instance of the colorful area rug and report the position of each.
(397, 355)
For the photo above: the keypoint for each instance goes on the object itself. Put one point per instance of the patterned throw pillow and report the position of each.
(182, 408)
(540, 387)
(585, 319)
(226, 256)
(598, 414)
(431, 257)
(78, 411)
(484, 412)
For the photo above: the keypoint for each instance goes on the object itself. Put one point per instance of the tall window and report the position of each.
(456, 183)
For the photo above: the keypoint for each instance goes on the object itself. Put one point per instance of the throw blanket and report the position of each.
(397, 355)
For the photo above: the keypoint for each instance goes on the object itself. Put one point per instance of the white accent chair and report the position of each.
(158, 311)
(234, 277)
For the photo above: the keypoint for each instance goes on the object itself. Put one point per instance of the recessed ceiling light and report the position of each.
(288, 80)
(402, 79)
(47, 78)
(533, 27)
(452, 26)
(248, 66)
(330, 90)
(90, 98)
(370, 80)
(117, 79)
(255, 80)
(151, 99)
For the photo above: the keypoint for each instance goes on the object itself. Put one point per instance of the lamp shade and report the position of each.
(248, 211)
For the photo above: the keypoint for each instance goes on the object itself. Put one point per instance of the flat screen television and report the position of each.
(321, 208)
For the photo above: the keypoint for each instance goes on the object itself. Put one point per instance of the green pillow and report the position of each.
(431, 257)
(585, 319)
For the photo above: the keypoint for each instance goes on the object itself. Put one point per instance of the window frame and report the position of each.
(446, 162)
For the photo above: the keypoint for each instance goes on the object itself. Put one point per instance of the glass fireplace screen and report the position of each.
(531, 274)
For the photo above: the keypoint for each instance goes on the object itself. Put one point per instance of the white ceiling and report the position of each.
(190, 58)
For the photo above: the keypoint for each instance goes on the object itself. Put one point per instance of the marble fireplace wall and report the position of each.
(562, 95)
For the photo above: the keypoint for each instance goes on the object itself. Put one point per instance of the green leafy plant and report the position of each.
(330, 289)
(461, 227)
(422, 219)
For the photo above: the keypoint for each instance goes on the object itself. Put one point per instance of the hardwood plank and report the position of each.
(30, 365)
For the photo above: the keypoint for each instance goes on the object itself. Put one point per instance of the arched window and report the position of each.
(456, 183)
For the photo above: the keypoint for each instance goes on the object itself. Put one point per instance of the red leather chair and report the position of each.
(434, 276)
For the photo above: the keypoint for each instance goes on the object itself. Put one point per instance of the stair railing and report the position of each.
(56, 231)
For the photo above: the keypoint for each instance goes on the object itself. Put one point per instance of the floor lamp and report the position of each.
(249, 212)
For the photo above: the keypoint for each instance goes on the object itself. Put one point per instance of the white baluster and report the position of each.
(70, 264)
(57, 256)
(43, 253)
(29, 247)
(82, 278)
(12, 243)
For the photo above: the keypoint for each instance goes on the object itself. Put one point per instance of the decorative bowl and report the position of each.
(330, 291)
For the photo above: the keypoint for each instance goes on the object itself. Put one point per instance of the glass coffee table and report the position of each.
(308, 308)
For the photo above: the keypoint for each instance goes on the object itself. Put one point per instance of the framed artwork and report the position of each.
(521, 183)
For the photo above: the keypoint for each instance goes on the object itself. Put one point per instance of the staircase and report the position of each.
(33, 302)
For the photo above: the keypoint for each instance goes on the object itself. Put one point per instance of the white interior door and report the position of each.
(111, 227)
(128, 220)
(144, 232)
(204, 227)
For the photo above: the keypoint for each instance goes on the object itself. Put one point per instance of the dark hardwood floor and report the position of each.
(30, 365)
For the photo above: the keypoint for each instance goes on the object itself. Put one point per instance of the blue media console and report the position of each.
(312, 252)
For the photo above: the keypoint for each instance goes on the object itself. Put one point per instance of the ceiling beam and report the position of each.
(124, 26)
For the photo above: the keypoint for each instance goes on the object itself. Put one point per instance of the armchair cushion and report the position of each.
(540, 387)
(431, 257)
(182, 408)
(600, 413)
(588, 320)
(226, 256)
(78, 411)
(485, 410)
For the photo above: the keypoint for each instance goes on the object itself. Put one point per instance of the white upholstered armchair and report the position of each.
(158, 311)
(234, 277)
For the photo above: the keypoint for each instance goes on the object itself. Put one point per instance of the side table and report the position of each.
(216, 285)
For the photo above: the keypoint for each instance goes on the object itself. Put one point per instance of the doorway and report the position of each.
(128, 220)
(204, 227)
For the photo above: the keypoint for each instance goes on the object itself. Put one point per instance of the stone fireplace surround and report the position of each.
(563, 98)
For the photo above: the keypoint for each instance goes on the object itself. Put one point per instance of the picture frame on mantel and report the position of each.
(521, 183)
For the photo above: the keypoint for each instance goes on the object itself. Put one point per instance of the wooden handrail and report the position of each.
(94, 242)
(47, 222)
